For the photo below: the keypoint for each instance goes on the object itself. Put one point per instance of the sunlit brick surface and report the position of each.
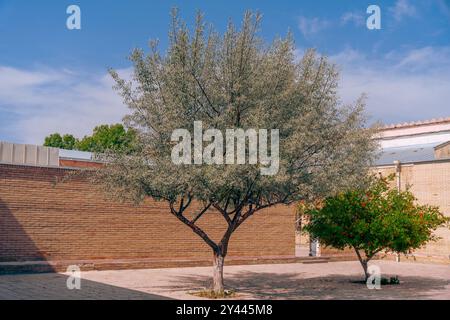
(41, 219)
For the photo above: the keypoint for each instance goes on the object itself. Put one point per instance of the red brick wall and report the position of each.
(44, 220)
(79, 164)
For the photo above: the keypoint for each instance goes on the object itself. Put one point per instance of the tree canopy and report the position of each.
(104, 138)
(230, 81)
(66, 141)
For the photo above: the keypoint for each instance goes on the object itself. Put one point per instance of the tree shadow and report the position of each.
(261, 285)
(17, 246)
(53, 286)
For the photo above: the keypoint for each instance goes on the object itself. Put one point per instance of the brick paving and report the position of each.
(334, 280)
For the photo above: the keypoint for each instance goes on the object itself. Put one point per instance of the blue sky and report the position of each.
(54, 79)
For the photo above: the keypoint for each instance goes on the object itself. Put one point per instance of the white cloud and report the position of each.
(425, 59)
(401, 86)
(403, 8)
(311, 26)
(356, 18)
(48, 100)
(349, 56)
(11, 78)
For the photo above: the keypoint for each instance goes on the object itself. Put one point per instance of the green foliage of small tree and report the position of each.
(235, 81)
(374, 219)
(55, 140)
(69, 142)
(115, 138)
(108, 138)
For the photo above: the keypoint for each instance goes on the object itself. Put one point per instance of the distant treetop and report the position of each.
(104, 137)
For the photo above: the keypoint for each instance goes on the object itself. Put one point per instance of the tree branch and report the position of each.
(223, 213)
(361, 260)
(201, 213)
(204, 92)
(194, 227)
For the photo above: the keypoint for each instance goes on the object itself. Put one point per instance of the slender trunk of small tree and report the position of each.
(220, 253)
(218, 261)
(364, 264)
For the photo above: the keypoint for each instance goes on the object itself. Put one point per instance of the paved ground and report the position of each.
(333, 280)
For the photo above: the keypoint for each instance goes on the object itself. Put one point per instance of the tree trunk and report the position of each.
(364, 263)
(219, 259)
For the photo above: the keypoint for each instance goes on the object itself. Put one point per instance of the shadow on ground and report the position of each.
(52, 286)
(291, 286)
(15, 244)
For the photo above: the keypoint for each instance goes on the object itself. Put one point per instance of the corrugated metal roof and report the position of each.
(75, 154)
(407, 154)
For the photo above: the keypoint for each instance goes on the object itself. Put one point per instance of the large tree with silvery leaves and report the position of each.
(228, 81)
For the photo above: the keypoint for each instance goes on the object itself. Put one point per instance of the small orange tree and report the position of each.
(373, 219)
